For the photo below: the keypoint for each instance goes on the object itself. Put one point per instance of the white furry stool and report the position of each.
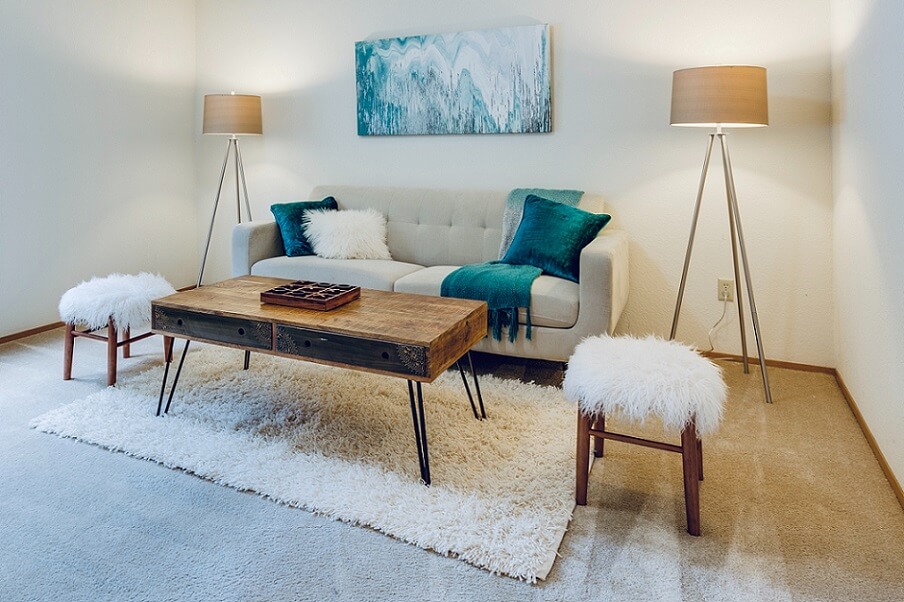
(119, 303)
(638, 378)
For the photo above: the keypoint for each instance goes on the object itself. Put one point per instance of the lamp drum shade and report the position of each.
(232, 114)
(723, 96)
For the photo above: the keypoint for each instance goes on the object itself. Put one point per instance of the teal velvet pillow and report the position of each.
(291, 227)
(551, 236)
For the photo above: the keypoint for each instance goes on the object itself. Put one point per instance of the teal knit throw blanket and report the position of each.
(504, 287)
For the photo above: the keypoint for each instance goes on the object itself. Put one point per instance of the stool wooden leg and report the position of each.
(691, 478)
(582, 460)
(111, 353)
(127, 347)
(598, 442)
(700, 458)
(168, 349)
(67, 352)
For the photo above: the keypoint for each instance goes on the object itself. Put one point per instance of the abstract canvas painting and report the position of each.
(473, 82)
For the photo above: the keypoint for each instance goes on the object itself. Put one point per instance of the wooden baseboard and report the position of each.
(754, 361)
(883, 463)
(30, 332)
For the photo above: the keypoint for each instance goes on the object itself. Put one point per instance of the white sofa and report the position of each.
(432, 232)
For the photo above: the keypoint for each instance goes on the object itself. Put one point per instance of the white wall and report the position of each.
(96, 147)
(612, 65)
(100, 145)
(868, 79)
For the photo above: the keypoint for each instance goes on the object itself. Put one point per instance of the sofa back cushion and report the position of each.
(436, 226)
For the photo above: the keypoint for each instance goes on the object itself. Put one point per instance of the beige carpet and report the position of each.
(794, 507)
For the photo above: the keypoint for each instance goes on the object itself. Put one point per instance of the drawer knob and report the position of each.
(179, 321)
(242, 331)
(307, 343)
(384, 355)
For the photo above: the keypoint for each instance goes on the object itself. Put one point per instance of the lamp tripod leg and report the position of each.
(690, 240)
(241, 171)
(213, 215)
(729, 183)
(733, 199)
(238, 198)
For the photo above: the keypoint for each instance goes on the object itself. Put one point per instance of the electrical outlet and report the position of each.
(726, 289)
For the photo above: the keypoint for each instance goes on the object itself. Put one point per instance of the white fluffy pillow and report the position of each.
(347, 234)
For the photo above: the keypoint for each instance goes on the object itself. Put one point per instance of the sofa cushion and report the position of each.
(553, 301)
(378, 274)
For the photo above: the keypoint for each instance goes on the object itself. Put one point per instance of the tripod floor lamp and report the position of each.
(233, 115)
(723, 97)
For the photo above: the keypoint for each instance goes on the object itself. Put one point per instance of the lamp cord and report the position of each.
(709, 335)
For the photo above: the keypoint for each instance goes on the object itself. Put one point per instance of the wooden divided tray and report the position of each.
(322, 296)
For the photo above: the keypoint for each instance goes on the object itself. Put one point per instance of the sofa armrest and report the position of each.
(604, 283)
(253, 241)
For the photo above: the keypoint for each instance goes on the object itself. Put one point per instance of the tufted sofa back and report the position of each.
(436, 227)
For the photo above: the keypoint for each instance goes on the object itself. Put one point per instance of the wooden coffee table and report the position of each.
(415, 337)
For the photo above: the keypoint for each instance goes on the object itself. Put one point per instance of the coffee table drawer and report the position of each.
(232, 331)
(354, 351)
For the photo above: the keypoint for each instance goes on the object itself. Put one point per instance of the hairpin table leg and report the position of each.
(420, 430)
(483, 412)
(175, 380)
(169, 359)
(464, 379)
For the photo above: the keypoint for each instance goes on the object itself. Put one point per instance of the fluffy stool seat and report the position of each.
(118, 303)
(638, 378)
(642, 377)
(124, 298)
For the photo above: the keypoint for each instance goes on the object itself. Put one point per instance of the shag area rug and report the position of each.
(340, 443)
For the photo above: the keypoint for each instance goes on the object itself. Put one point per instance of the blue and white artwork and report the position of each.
(473, 82)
